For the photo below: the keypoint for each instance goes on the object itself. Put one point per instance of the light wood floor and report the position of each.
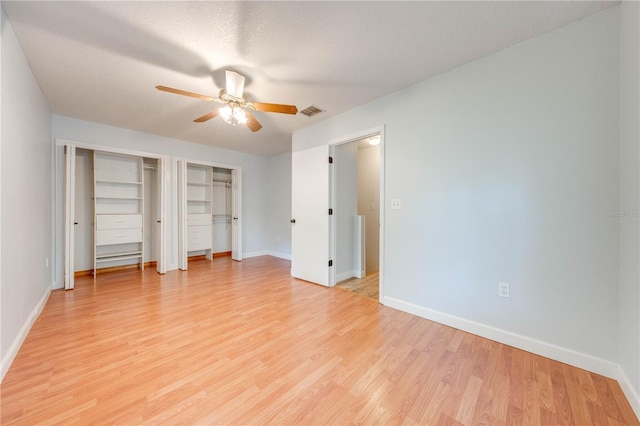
(243, 343)
(367, 286)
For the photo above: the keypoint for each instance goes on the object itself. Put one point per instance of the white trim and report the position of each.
(629, 392)
(109, 149)
(284, 256)
(181, 218)
(236, 214)
(267, 253)
(381, 209)
(558, 353)
(333, 196)
(22, 334)
(358, 135)
(69, 199)
(256, 254)
(207, 163)
(163, 164)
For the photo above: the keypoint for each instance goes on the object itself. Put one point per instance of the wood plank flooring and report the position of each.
(244, 343)
(367, 286)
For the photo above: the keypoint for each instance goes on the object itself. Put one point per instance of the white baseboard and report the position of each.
(345, 276)
(254, 254)
(558, 353)
(266, 253)
(22, 334)
(632, 395)
(279, 255)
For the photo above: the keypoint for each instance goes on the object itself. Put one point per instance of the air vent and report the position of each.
(311, 111)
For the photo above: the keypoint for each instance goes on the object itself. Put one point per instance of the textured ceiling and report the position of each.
(100, 61)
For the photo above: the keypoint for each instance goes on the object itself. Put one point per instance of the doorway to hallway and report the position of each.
(356, 220)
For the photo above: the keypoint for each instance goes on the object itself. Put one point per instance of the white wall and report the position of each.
(25, 190)
(278, 214)
(629, 196)
(369, 202)
(254, 177)
(505, 168)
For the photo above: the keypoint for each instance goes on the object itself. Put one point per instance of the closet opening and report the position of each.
(209, 212)
(113, 212)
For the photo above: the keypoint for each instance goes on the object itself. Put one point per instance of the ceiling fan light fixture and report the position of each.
(233, 115)
(237, 110)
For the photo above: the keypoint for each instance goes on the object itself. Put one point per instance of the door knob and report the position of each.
(293, 221)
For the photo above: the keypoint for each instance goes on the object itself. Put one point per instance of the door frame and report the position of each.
(69, 215)
(333, 188)
(236, 196)
(61, 260)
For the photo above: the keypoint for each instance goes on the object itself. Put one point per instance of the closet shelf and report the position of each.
(117, 214)
(118, 182)
(118, 256)
(112, 197)
(118, 191)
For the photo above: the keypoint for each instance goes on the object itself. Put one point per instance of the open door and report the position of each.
(69, 215)
(182, 216)
(310, 215)
(236, 214)
(161, 266)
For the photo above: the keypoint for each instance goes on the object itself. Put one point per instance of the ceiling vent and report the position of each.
(311, 111)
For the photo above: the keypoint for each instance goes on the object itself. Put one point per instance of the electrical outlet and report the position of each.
(395, 204)
(503, 289)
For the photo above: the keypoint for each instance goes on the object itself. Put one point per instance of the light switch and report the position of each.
(395, 204)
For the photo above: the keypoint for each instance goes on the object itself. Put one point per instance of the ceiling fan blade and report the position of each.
(252, 123)
(283, 109)
(207, 117)
(235, 83)
(185, 93)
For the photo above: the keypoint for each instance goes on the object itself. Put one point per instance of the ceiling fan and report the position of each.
(237, 110)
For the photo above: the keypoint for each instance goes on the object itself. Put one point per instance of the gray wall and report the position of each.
(278, 227)
(369, 202)
(345, 166)
(25, 231)
(629, 194)
(505, 168)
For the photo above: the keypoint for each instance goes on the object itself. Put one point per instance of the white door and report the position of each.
(161, 187)
(182, 218)
(310, 215)
(236, 214)
(69, 215)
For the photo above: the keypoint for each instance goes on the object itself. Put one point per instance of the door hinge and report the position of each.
(330, 211)
(330, 160)
(331, 263)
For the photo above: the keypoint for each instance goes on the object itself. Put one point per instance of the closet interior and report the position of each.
(116, 214)
(208, 211)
